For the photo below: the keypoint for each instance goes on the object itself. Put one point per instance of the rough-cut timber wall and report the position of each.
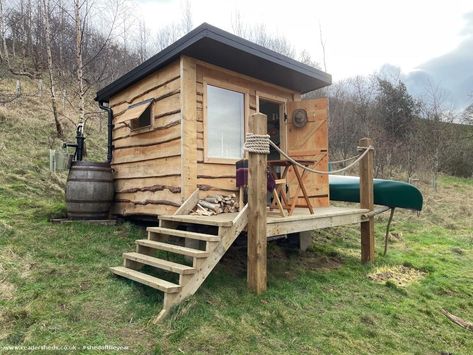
(159, 167)
(220, 177)
(147, 163)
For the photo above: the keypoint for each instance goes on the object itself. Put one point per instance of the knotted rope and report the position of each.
(257, 143)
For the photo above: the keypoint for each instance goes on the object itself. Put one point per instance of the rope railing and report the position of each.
(259, 143)
(360, 157)
(343, 160)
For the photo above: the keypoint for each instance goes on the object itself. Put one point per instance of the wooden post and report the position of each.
(18, 88)
(188, 127)
(367, 202)
(188, 136)
(305, 240)
(257, 196)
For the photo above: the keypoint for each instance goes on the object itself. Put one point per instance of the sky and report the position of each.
(361, 36)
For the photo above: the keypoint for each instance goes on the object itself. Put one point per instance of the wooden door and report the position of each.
(309, 142)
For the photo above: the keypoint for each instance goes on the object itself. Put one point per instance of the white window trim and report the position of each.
(246, 106)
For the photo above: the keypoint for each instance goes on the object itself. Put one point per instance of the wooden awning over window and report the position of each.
(134, 111)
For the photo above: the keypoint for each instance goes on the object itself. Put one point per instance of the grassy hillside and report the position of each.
(55, 288)
(27, 133)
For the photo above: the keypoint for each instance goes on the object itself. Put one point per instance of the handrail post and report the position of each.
(367, 201)
(257, 196)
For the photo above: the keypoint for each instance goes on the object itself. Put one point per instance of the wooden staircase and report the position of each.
(209, 251)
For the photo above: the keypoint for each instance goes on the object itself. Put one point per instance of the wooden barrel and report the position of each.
(89, 190)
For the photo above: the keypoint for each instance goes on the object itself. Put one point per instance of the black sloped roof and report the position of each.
(221, 48)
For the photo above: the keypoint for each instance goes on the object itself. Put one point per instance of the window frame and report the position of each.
(246, 108)
(146, 128)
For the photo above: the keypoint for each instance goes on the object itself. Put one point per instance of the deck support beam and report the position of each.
(367, 202)
(257, 195)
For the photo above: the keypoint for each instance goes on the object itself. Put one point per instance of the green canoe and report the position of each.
(386, 192)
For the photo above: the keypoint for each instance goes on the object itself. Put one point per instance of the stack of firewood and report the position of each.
(212, 205)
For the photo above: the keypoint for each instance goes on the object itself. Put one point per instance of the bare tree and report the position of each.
(142, 41)
(4, 49)
(467, 114)
(187, 23)
(306, 58)
(62, 27)
(166, 36)
(78, 52)
(172, 32)
(343, 130)
(238, 27)
(437, 112)
(46, 11)
(323, 42)
(259, 34)
(28, 29)
(16, 24)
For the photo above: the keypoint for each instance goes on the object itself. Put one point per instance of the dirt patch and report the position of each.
(309, 260)
(458, 251)
(7, 290)
(12, 262)
(399, 275)
(5, 228)
(394, 237)
(318, 262)
(5, 326)
(234, 261)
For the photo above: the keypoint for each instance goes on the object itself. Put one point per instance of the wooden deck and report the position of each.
(300, 221)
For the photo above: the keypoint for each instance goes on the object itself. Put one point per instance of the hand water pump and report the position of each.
(80, 143)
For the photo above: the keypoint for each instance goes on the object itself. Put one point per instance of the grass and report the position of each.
(55, 287)
(57, 290)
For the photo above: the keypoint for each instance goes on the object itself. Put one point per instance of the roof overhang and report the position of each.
(215, 46)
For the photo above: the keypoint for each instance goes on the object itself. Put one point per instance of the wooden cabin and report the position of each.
(180, 118)
(179, 126)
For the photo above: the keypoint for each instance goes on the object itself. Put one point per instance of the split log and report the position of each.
(212, 206)
(202, 211)
(212, 199)
(217, 204)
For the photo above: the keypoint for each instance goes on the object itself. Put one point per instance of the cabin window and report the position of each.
(225, 123)
(143, 120)
(137, 116)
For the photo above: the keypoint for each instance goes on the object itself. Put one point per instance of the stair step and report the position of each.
(184, 234)
(145, 279)
(159, 263)
(220, 220)
(173, 248)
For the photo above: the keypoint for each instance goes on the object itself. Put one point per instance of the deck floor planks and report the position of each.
(301, 220)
